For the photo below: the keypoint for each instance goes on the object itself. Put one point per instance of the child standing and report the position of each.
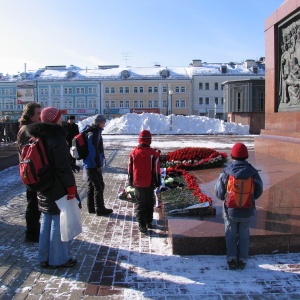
(144, 175)
(237, 216)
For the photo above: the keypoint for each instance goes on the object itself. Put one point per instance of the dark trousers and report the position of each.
(95, 189)
(32, 216)
(144, 205)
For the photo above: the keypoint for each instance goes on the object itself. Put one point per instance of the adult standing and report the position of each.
(31, 114)
(93, 164)
(71, 130)
(52, 251)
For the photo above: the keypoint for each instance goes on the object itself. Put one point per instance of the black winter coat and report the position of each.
(53, 136)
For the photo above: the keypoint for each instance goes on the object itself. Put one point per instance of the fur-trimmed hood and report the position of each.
(45, 130)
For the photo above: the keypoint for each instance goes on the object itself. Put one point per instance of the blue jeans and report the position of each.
(237, 239)
(51, 248)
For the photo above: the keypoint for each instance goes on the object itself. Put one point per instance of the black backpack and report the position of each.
(79, 148)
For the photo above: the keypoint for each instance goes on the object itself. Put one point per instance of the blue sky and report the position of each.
(138, 33)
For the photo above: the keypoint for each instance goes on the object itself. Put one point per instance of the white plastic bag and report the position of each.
(70, 218)
(84, 175)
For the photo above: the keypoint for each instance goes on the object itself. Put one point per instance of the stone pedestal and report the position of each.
(281, 136)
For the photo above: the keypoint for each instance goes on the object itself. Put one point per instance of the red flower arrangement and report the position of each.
(183, 159)
(195, 158)
(192, 185)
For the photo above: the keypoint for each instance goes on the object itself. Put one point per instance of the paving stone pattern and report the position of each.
(116, 261)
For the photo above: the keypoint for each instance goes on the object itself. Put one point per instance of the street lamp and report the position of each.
(167, 111)
(170, 111)
(108, 110)
(215, 109)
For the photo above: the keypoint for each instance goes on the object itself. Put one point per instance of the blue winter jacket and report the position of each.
(242, 170)
(95, 158)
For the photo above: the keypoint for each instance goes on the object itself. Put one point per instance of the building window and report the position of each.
(216, 100)
(121, 104)
(79, 102)
(8, 92)
(126, 89)
(92, 90)
(92, 102)
(201, 101)
(80, 90)
(43, 91)
(182, 103)
(106, 90)
(206, 100)
(135, 89)
(216, 86)
(150, 89)
(56, 103)
(68, 91)
(165, 90)
(121, 90)
(207, 86)
(113, 104)
(177, 103)
(68, 103)
(43, 102)
(165, 103)
(141, 89)
(127, 104)
(135, 104)
(55, 91)
(141, 103)
(112, 90)
(261, 101)
(177, 89)
(200, 85)
(155, 89)
(155, 103)
(8, 103)
(239, 101)
(182, 89)
(149, 103)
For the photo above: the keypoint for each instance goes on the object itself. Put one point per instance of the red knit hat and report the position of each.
(50, 114)
(145, 137)
(239, 151)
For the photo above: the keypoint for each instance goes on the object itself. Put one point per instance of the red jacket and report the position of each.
(144, 167)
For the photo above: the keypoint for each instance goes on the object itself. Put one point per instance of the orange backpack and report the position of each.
(240, 193)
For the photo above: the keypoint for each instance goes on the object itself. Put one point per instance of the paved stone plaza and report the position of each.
(116, 261)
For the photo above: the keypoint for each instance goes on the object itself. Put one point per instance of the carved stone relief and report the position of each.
(288, 64)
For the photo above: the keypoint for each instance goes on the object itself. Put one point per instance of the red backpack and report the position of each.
(34, 167)
(146, 167)
(239, 193)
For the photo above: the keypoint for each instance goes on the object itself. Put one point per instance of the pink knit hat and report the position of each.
(50, 114)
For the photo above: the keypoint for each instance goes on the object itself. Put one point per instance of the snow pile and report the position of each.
(133, 123)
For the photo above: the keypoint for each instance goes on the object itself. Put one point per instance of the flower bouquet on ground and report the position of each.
(183, 195)
(192, 158)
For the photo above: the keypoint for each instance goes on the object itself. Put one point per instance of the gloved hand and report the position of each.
(99, 170)
(71, 192)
